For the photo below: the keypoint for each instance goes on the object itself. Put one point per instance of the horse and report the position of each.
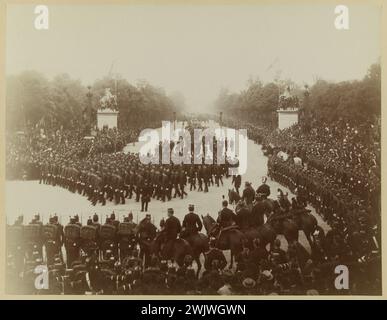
(268, 205)
(306, 222)
(253, 225)
(180, 249)
(265, 233)
(285, 226)
(233, 196)
(230, 238)
(199, 245)
(291, 222)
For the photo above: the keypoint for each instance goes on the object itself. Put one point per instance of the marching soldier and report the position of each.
(72, 241)
(52, 239)
(248, 194)
(182, 182)
(126, 236)
(200, 176)
(218, 176)
(175, 181)
(192, 178)
(237, 182)
(146, 194)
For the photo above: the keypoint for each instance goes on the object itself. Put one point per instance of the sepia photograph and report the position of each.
(181, 149)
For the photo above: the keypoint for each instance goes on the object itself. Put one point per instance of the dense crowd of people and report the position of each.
(27, 150)
(334, 167)
(336, 164)
(96, 167)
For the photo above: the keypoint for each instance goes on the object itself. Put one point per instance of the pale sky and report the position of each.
(194, 49)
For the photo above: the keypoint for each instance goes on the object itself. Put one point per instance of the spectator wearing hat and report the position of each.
(249, 286)
(263, 190)
(226, 289)
(213, 254)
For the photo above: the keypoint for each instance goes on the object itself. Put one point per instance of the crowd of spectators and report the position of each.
(27, 150)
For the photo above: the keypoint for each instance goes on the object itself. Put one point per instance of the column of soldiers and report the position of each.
(106, 245)
(115, 245)
(116, 177)
(105, 259)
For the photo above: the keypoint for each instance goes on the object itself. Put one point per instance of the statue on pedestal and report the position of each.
(108, 102)
(288, 101)
(288, 109)
(108, 111)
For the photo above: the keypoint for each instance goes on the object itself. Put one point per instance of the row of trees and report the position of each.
(62, 101)
(357, 100)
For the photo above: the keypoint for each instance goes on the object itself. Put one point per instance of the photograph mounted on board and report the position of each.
(196, 150)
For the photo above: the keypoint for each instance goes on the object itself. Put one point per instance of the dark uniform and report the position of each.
(52, 234)
(237, 182)
(146, 229)
(243, 218)
(126, 235)
(257, 214)
(72, 241)
(248, 194)
(146, 193)
(191, 223)
(226, 217)
(172, 228)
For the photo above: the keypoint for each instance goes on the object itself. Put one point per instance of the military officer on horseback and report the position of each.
(191, 223)
(172, 229)
(146, 229)
(226, 216)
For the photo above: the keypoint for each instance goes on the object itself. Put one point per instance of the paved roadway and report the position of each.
(30, 197)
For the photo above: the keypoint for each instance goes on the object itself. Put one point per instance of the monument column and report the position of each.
(288, 110)
(107, 113)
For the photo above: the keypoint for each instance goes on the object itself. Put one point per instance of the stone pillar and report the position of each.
(107, 118)
(287, 117)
